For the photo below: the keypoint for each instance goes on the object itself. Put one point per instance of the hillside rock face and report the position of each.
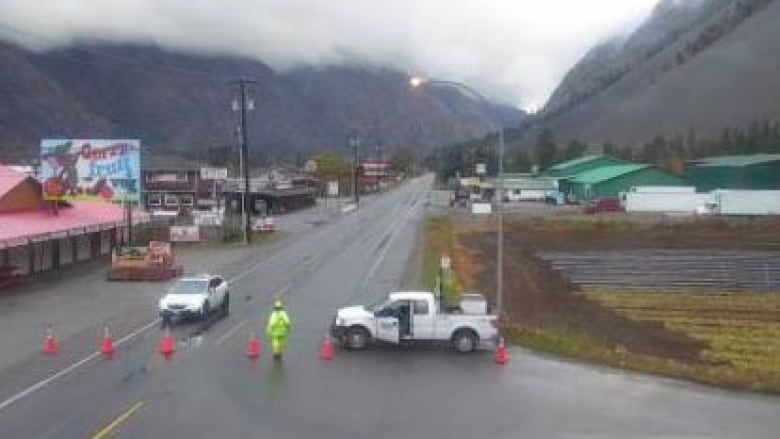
(699, 65)
(181, 103)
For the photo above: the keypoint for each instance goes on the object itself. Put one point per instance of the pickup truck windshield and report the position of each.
(189, 286)
(379, 304)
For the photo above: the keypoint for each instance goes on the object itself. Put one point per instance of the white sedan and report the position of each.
(195, 296)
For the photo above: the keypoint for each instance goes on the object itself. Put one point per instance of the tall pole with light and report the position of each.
(416, 82)
(242, 103)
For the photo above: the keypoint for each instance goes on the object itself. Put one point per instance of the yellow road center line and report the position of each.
(108, 429)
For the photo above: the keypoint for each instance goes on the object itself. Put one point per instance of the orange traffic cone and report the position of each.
(107, 347)
(326, 348)
(501, 356)
(167, 344)
(253, 347)
(50, 346)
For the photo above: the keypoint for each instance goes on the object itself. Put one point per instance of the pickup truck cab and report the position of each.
(412, 317)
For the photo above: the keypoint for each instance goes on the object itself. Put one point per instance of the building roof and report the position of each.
(20, 227)
(9, 179)
(737, 160)
(164, 162)
(574, 162)
(528, 183)
(604, 173)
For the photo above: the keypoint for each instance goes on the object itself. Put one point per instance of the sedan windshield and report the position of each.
(189, 286)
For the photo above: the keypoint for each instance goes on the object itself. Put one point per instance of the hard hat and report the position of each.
(278, 304)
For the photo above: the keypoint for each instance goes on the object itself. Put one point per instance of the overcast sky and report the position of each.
(515, 51)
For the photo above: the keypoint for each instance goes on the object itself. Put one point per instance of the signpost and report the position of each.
(333, 189)
(444, 266)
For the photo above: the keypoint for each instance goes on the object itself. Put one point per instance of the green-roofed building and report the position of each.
(757, 171)
(609, 181)
(581, 164)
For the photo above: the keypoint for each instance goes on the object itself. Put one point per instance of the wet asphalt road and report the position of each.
(210, 390)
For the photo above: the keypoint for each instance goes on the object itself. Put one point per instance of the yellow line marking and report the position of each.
(108, 429)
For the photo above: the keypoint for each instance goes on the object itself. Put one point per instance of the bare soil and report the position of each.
(538, 296)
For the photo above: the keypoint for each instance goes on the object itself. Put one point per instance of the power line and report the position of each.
(245, 103)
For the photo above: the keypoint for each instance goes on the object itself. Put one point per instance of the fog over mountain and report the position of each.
(514, 51)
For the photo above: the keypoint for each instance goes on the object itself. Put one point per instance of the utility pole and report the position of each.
(244, 103)
(354, 142)
(379, 171)
(129, 208)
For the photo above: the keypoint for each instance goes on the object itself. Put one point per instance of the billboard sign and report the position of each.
(90, 170)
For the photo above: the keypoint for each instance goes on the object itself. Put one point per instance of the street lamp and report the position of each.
(417, 82)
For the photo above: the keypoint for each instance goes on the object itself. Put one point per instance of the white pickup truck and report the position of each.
(412, 317)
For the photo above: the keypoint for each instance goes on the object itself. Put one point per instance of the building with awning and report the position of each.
(37, 236)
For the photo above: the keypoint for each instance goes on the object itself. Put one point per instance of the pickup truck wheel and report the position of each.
(205, 310)
(226, 304)
(357, 338)
(464, 341)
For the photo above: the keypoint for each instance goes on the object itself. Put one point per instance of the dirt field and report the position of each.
(538, 298)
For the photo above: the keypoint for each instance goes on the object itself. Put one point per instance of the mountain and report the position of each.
(693, 66)
(181, 103)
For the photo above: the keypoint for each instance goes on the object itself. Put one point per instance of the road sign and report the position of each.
(446, 263)
(333, 188)
(481, 169)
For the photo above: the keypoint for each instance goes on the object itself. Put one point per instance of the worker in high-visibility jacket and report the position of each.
(278, 328)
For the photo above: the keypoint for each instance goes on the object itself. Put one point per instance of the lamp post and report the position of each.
(416, 82)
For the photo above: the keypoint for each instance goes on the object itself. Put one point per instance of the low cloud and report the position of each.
(514, 51)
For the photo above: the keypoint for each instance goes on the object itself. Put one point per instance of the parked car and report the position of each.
(195, 297)
(414, 317)
(603, 204)
(264, 225)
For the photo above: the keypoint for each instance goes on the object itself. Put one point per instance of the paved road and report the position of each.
(210, 390)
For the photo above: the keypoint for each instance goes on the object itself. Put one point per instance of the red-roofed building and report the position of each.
(34, 237)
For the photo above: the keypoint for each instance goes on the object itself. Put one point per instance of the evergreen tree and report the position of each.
(726, 143)
(574, 149)
(625, 153)
(655, 152)
(546, 149)
(690, 140)
(608, 148)
(522, 162)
